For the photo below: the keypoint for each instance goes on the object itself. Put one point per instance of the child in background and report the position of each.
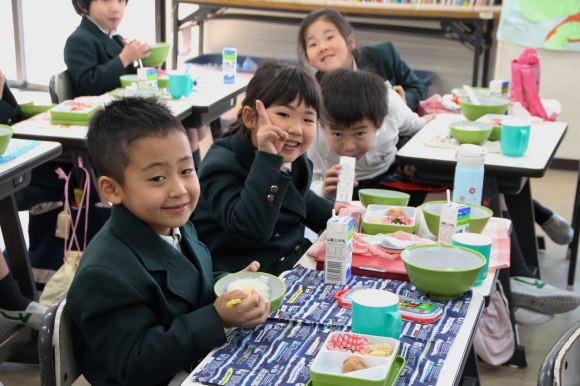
(255, 181)
(326, 40)
(366, 119)
(142, 300)
(95, 54)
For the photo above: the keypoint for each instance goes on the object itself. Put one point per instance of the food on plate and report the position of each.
(354, 363)
(395, 220)
(260, 284)
(347, 342)
(379, 350)
(396, 212)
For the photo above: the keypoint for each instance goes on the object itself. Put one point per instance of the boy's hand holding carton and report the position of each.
(344, 171)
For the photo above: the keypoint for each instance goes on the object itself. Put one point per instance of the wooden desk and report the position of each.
(471, 25)
(14, 176)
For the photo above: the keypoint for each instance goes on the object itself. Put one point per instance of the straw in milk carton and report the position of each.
(339, 233)
(454, 219)
(346, 179)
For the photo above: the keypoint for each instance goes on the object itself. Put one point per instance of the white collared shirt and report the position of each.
(174, 239)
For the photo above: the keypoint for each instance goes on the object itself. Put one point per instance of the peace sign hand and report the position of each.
(270, 138)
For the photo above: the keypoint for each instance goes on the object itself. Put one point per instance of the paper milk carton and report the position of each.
(229, 65)
(339, 232)
(346, 179)
(454, 219)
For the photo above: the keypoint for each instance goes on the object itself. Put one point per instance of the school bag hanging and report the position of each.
(525, 84)
(73, 226)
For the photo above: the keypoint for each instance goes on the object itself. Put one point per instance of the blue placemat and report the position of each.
(16, 148)
(280, 351)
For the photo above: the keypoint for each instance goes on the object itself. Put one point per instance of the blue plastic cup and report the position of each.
(515, 136)
(376, 312)
(180, 85)
(478, 243)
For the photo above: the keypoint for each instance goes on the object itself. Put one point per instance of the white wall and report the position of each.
(560, 79)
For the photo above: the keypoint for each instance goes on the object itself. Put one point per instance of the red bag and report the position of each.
(525, 84)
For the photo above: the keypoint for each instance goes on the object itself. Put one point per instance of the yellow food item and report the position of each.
(353, 364)
(379, 350)
(396, 212)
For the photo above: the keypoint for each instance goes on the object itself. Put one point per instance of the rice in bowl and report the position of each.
(260, 284)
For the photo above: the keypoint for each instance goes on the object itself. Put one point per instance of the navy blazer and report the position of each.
(249, 210)
(92, 60)
(142, 310)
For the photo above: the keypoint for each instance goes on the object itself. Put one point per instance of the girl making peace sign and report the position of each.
(255, 182)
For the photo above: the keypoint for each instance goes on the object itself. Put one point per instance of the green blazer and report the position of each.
(384, 59)
(142, 310)
(249, 210)
(92, 60)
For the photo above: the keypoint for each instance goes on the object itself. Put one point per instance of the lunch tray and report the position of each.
(61, 112)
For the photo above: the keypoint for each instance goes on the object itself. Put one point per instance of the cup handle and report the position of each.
(395, 322)
(523, 139)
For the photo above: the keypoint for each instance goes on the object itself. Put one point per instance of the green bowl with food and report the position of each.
(30, 109)
(157, 56)
(6, 133)
(490, 104)
(270, 287)
(383, 197)
(478, 217)
(470, 132)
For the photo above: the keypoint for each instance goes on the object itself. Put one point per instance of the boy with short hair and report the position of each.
(95, 54)
(142, 300)
(367, 118)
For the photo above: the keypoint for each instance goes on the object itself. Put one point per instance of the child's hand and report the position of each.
(430, 117)
(401, 92)
(253, 267)
(330, 184)
(340, 205)
(270, 138)
(133, 51)
(253, 310)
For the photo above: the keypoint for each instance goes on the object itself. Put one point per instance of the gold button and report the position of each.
(274, 189)
(281, 259)
(298, 249)
(270, 198)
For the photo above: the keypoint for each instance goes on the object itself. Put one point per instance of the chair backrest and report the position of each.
(58, 366)
(60, 88)
(560, 367)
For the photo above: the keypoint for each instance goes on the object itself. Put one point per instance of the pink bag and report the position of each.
(525, 84)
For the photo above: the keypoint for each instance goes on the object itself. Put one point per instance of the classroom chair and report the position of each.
(57, 361)
(60, 88)
(560, 367)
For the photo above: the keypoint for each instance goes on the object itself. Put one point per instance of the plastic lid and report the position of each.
(472, 155)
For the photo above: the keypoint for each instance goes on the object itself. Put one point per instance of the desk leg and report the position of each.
(573, 247)
(470, 376)
(477, 51)
(521, 210)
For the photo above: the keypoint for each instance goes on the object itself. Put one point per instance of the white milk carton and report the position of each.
(345, 184)
(339, 233)
(454, 219)
(499, 87)
(229, 65)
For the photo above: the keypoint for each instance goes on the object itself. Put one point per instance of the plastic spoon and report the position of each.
(471, 94)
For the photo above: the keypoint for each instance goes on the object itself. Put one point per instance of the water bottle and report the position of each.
(468, 182)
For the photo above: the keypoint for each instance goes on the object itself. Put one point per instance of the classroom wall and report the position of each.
(559, 80)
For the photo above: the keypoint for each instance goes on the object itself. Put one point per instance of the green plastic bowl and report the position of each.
(477, 90)
(488, 105)
(442, 271)
(470, 132)
(277, 286)
(478, 217)
(159, 52)
(128, 80)
(30, 109)
(382, 197)
(5, 136)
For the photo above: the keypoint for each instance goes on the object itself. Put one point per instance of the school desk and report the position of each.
(14, 176)
(508, 175)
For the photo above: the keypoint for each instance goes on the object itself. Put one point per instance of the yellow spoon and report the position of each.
(233, 302)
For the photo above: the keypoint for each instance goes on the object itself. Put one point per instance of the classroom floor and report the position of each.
(556, 191)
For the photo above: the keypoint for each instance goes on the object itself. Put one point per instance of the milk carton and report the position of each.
(229, 65)
(346, 179)
(454, 219)
(339, 232)
(147, 77)
(499, 87)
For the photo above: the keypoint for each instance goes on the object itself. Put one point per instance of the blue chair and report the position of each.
(560, 367)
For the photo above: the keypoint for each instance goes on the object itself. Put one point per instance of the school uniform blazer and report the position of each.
(384, 59)
(92, 60)
(142, 310)
(8, 106)
(249, 210)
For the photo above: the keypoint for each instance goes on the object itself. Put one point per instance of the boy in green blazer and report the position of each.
(142, 300)
(95, 54)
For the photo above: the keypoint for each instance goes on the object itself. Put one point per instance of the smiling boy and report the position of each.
(142, 300)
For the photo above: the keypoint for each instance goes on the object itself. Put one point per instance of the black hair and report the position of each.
(276, 83)
(82, 6)
(351, 96)
(117, 126)
(328, 14)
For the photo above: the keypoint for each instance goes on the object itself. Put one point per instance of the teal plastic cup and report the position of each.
(376, 312)
(180, 85)
(478, 243)
(515, 136)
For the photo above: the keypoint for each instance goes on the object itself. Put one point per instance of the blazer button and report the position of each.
(281, 259)
(296, 220)
(298, 249)
(274, 189)
(270, 198)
